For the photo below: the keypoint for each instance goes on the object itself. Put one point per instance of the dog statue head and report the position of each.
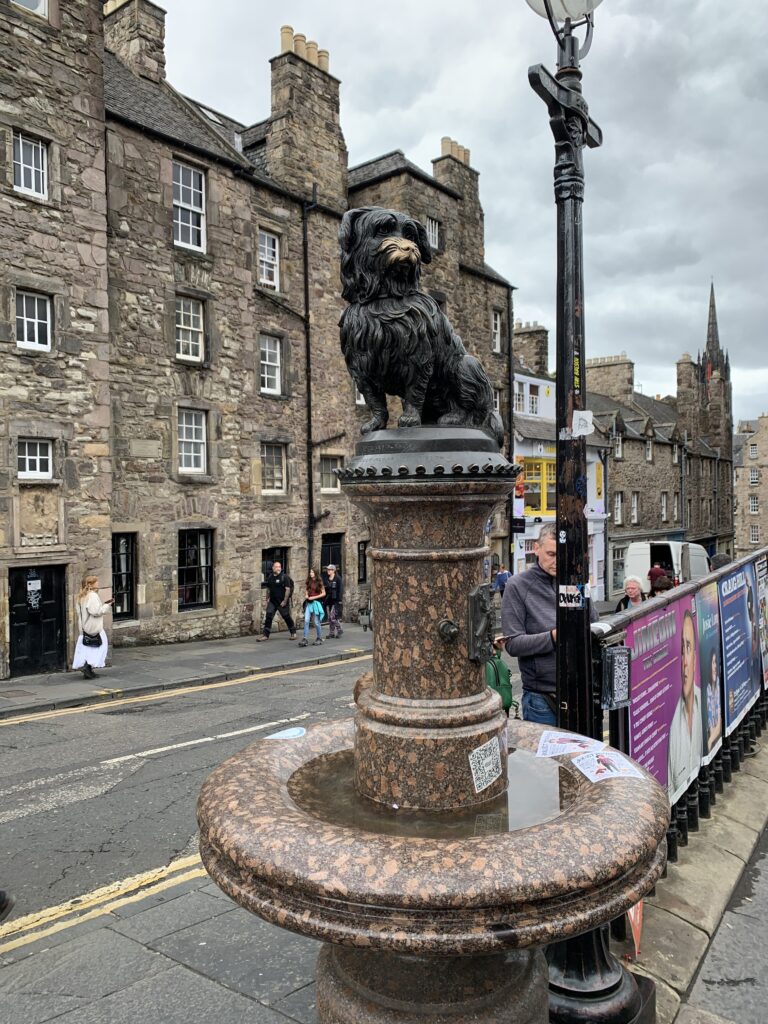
(381, 254)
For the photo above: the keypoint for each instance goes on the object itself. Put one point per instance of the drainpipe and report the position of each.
(306, 207)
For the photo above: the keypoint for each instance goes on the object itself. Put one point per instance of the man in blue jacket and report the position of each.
(529, 620)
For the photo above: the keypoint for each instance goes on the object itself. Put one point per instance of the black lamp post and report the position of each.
(587, 983)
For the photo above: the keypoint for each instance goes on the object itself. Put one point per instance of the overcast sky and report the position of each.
(675, 197)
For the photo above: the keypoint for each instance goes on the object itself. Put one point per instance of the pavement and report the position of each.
(139, 670)
(168, 945)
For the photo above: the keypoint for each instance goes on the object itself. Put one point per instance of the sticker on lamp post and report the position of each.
(485, 762)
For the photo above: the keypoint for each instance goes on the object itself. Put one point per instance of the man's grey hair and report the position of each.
(547, 530)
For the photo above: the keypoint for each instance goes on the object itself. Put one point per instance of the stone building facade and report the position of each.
(174, 399)
(750, 485)
(670, 475)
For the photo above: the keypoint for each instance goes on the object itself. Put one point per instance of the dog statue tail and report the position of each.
(477, 398)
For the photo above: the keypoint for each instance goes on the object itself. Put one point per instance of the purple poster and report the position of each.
(710, 662)
(665, 717)
(761, 571)
(742, 666)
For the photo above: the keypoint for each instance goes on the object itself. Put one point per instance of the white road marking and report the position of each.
(204, 739)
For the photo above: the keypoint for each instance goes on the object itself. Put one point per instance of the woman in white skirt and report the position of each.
(90, 615)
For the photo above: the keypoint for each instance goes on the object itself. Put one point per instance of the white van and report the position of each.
(680, 560)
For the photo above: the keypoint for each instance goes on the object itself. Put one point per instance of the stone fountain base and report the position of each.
(422, 928)
(363, 987)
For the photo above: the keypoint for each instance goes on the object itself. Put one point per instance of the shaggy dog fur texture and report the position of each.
(396, 340)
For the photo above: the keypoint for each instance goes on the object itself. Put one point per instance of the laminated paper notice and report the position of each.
(606, 765)
(485, 762)
(552, 744)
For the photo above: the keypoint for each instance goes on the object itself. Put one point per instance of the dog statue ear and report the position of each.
(424, 247)
(348, 223)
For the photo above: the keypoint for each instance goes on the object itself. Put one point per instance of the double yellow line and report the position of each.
(117, 701)
(22, 931)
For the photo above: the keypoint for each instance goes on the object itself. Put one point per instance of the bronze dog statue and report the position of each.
(395, 339)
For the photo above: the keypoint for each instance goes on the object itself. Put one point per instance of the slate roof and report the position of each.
(538, 428)
(231, 129)
(157, 107)
(660, 411)
(388, 165)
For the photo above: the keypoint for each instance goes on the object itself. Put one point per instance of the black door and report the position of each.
(330, 551)
(38, 625)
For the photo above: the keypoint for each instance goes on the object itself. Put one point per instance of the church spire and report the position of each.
(713, 335)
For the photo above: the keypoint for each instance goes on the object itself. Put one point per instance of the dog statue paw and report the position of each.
(374, 423)
(395, 338)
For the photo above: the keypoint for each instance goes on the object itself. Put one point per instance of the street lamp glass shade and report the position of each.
(562, 9)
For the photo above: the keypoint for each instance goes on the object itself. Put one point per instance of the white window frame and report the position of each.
(618, 446)
(273, 445)
(38, 7)
(664, 506)
(675, 454)
(754, 533)
(190, 329)
(192, 441)
(497, 400)
(38, 148)
(753, 451)
(43, 451)
(675, 506)
(496, 324)
(185, 202)
(433, 233)
(648, 449)
(269, 260)
(634, 508)
(329, 481)
(618, 508)
(270, 364)
(359, 397)
(519, 397)
(754, 505)
(754, 475)
(21, 336)
(533, 400)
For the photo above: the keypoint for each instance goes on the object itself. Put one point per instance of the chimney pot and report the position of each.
(466, 156)
(323, 58)
(455, 149)
(286, 39)
(445, 146)
(312, 52)
(300, 45)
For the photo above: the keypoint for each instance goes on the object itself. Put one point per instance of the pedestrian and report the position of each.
(661, 586)
(314, 594)
(334, 592)
(500, 582)
(633, 593)
(91, 648)
(719, 560)
(279, 587)
(655, 573)
(529, 625)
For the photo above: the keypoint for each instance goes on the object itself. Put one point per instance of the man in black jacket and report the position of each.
(529, 621)
(279, 590)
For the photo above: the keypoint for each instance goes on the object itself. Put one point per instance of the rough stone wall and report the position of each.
(531, 346)
(633, 472)
(135, 31)
(465, 180)
(305, 144)
(56, 247)
(743, 489)
(147, 272)
(611, 375)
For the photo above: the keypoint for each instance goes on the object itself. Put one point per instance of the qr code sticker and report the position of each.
(621, 679)
(485, 762)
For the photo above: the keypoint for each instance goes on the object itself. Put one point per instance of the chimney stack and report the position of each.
(134, 30)
(452, 169)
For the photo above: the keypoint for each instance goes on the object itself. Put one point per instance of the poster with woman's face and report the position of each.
(710, 663)
(740, 632)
